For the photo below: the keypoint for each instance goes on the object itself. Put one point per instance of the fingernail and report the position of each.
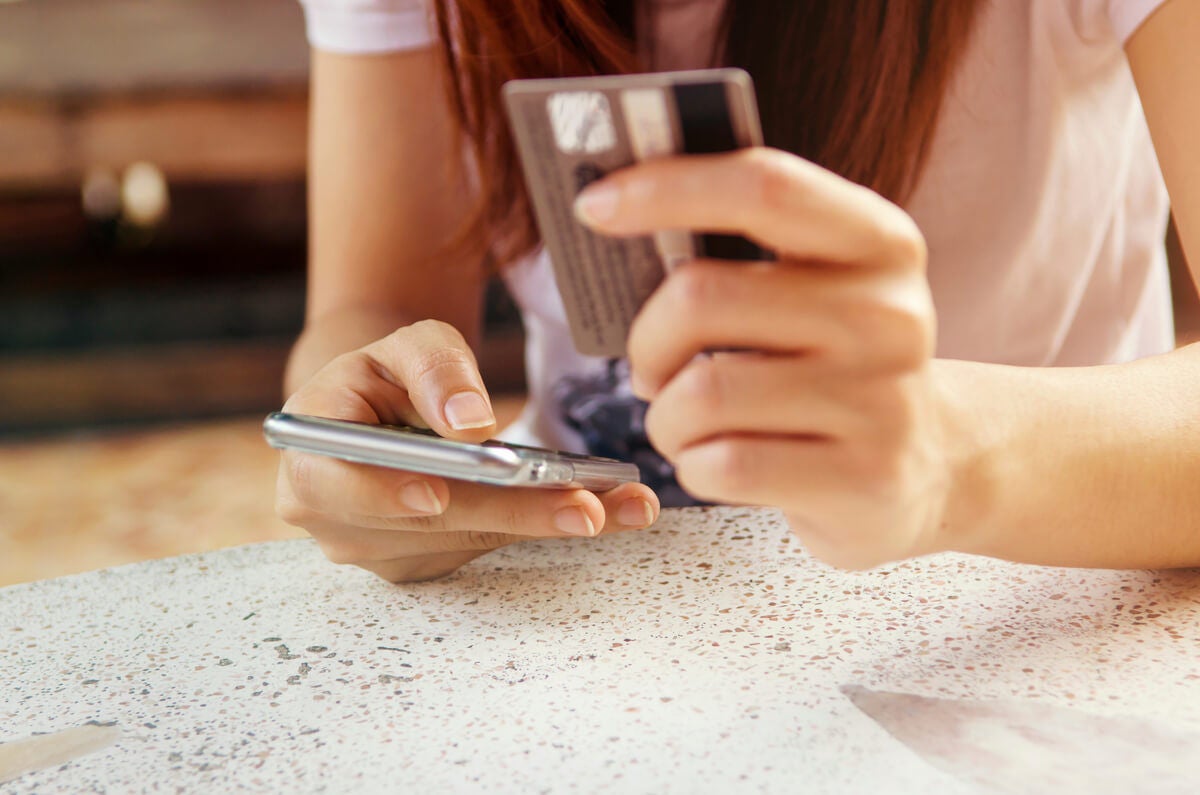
(597, 204)
(465, 410)
(419, 496)
(574, 521)
(635, 513)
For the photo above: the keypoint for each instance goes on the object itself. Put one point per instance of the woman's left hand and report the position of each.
(820, 398)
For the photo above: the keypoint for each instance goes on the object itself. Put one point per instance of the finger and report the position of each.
(746, 393)
(422, 374)
(778, 200)
(313, 485)
(863, 320)
(357, 387)
(433, 362)
(409, 555)
(630, 506)
(759, 470)
(524, 512)
(791, 471)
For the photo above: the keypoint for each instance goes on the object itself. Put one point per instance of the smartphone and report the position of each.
(572, 131)
(422, 450)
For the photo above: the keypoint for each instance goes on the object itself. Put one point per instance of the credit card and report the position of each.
(570, 132)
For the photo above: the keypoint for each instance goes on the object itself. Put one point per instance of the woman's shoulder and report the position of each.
(1100, 21)
(368, 26)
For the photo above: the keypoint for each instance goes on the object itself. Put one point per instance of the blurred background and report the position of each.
(152, 248)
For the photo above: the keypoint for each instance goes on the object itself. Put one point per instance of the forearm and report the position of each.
(1095, 466)
(387, 198)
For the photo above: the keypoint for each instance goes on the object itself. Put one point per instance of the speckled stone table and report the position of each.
(708, 654)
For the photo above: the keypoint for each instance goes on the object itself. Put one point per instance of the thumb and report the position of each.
(437, 368)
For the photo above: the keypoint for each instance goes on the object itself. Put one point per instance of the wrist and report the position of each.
(974, 432)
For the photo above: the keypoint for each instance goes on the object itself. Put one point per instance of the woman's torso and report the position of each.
(1041, 202)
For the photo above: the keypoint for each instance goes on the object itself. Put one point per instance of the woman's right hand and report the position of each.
(406, 526)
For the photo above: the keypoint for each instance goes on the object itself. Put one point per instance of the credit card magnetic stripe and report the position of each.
(706, 125)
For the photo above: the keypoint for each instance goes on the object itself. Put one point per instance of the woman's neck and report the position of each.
(678, 34)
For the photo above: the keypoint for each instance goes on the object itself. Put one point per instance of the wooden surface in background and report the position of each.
(58, 389)
(204, 89)
(246, 137)
(96, 500)
(70, 51)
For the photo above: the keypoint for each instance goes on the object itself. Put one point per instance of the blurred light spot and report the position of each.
(100, 194)
(144, 194)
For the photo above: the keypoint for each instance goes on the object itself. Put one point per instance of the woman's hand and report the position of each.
(406, 526)
(822, 402)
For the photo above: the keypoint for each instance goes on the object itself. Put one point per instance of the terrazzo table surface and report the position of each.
(708, 654)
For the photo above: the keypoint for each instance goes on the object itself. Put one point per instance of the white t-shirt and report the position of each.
(1041, 202)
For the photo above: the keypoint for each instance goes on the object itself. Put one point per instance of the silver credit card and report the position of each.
(569, 132)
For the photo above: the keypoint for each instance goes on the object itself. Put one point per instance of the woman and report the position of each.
(996, 176)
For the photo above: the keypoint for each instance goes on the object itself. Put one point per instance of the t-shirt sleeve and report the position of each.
(368, 26)
(1126, 16)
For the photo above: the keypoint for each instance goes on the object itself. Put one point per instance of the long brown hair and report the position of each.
(854, 85)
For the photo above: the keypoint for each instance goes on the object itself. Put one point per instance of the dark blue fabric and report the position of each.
(612, 422)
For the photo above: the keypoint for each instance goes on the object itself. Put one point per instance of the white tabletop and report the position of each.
(708, 654)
